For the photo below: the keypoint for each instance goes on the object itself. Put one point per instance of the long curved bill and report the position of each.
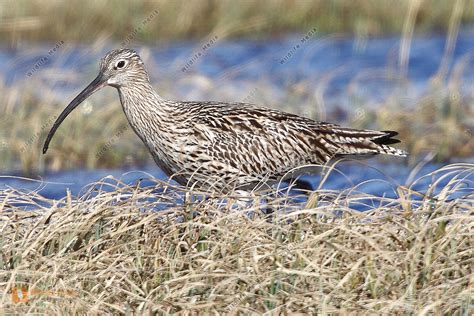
(95, 85)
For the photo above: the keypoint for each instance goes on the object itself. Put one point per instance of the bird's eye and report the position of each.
(120, 64)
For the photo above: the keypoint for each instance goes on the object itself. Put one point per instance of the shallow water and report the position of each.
(374, 178)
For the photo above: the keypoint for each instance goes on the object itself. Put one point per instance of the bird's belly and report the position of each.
(195, 164)
(189, 165)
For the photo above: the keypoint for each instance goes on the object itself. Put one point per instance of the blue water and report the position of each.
(380, 180)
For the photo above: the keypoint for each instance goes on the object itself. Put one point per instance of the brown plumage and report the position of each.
(223, 146)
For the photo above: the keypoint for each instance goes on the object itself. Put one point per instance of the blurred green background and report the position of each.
(85, 21)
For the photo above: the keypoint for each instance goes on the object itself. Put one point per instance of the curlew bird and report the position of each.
(223, 146)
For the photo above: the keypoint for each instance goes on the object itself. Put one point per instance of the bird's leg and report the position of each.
(186, 198)
(188, 205)
(300, 185)
(247, 201)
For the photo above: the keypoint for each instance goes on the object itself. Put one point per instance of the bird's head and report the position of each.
(119, 68)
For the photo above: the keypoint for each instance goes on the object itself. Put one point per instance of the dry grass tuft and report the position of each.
(113, 252)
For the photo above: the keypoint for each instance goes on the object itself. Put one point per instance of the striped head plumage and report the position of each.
(122, 67)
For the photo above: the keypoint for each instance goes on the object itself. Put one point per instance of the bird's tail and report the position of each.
(387, 139)
(365, 142)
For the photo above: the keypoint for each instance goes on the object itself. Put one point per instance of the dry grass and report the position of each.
(112, 252)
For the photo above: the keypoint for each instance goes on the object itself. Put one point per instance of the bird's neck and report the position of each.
(143, 106)
(137, 90)
(140, 98)
(151, 117)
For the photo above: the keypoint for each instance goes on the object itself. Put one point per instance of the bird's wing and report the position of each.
(259, 140)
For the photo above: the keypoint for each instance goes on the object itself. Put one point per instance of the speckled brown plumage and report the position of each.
(223, 146)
